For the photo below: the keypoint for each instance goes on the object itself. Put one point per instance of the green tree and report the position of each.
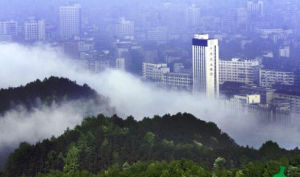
(71, 162)
(149, 138)
(281, 172)
(294, 171)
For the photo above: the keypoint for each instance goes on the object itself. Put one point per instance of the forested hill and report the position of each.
(46, 92)
(100, 143)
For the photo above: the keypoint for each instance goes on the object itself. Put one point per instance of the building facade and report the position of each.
(155, 72)
(239, 70)
(205, 65)
(70, 21)
(269, 78)
(34, 30)
(247, 99)
(292, 100)
(8, 29)
(178, 81)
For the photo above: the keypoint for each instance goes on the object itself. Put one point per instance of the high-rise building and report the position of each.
(239, 70)
(34, 30)
(70, 21)
(206, 65)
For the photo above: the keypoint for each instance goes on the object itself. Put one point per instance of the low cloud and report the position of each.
(128, 95)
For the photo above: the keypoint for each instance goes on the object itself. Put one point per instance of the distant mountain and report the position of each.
(100, 143)
(43, 93)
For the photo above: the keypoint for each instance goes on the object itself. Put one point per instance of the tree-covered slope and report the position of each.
(46, 92)
(102, 142)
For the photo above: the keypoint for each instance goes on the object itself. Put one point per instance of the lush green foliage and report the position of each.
(101, 143)
(183, 168)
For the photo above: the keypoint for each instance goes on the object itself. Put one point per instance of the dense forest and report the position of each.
(50, 90)
(167, 146)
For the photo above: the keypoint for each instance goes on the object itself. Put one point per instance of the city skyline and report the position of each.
(107, 88)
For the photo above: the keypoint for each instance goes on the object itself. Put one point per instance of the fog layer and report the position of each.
(127, 93)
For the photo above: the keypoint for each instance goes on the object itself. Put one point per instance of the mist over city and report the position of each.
(100, 88)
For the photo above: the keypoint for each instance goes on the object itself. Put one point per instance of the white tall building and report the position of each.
(206, 65)
(34, 30)
(70, 21)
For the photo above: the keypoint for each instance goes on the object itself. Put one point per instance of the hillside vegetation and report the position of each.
(178, 145)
